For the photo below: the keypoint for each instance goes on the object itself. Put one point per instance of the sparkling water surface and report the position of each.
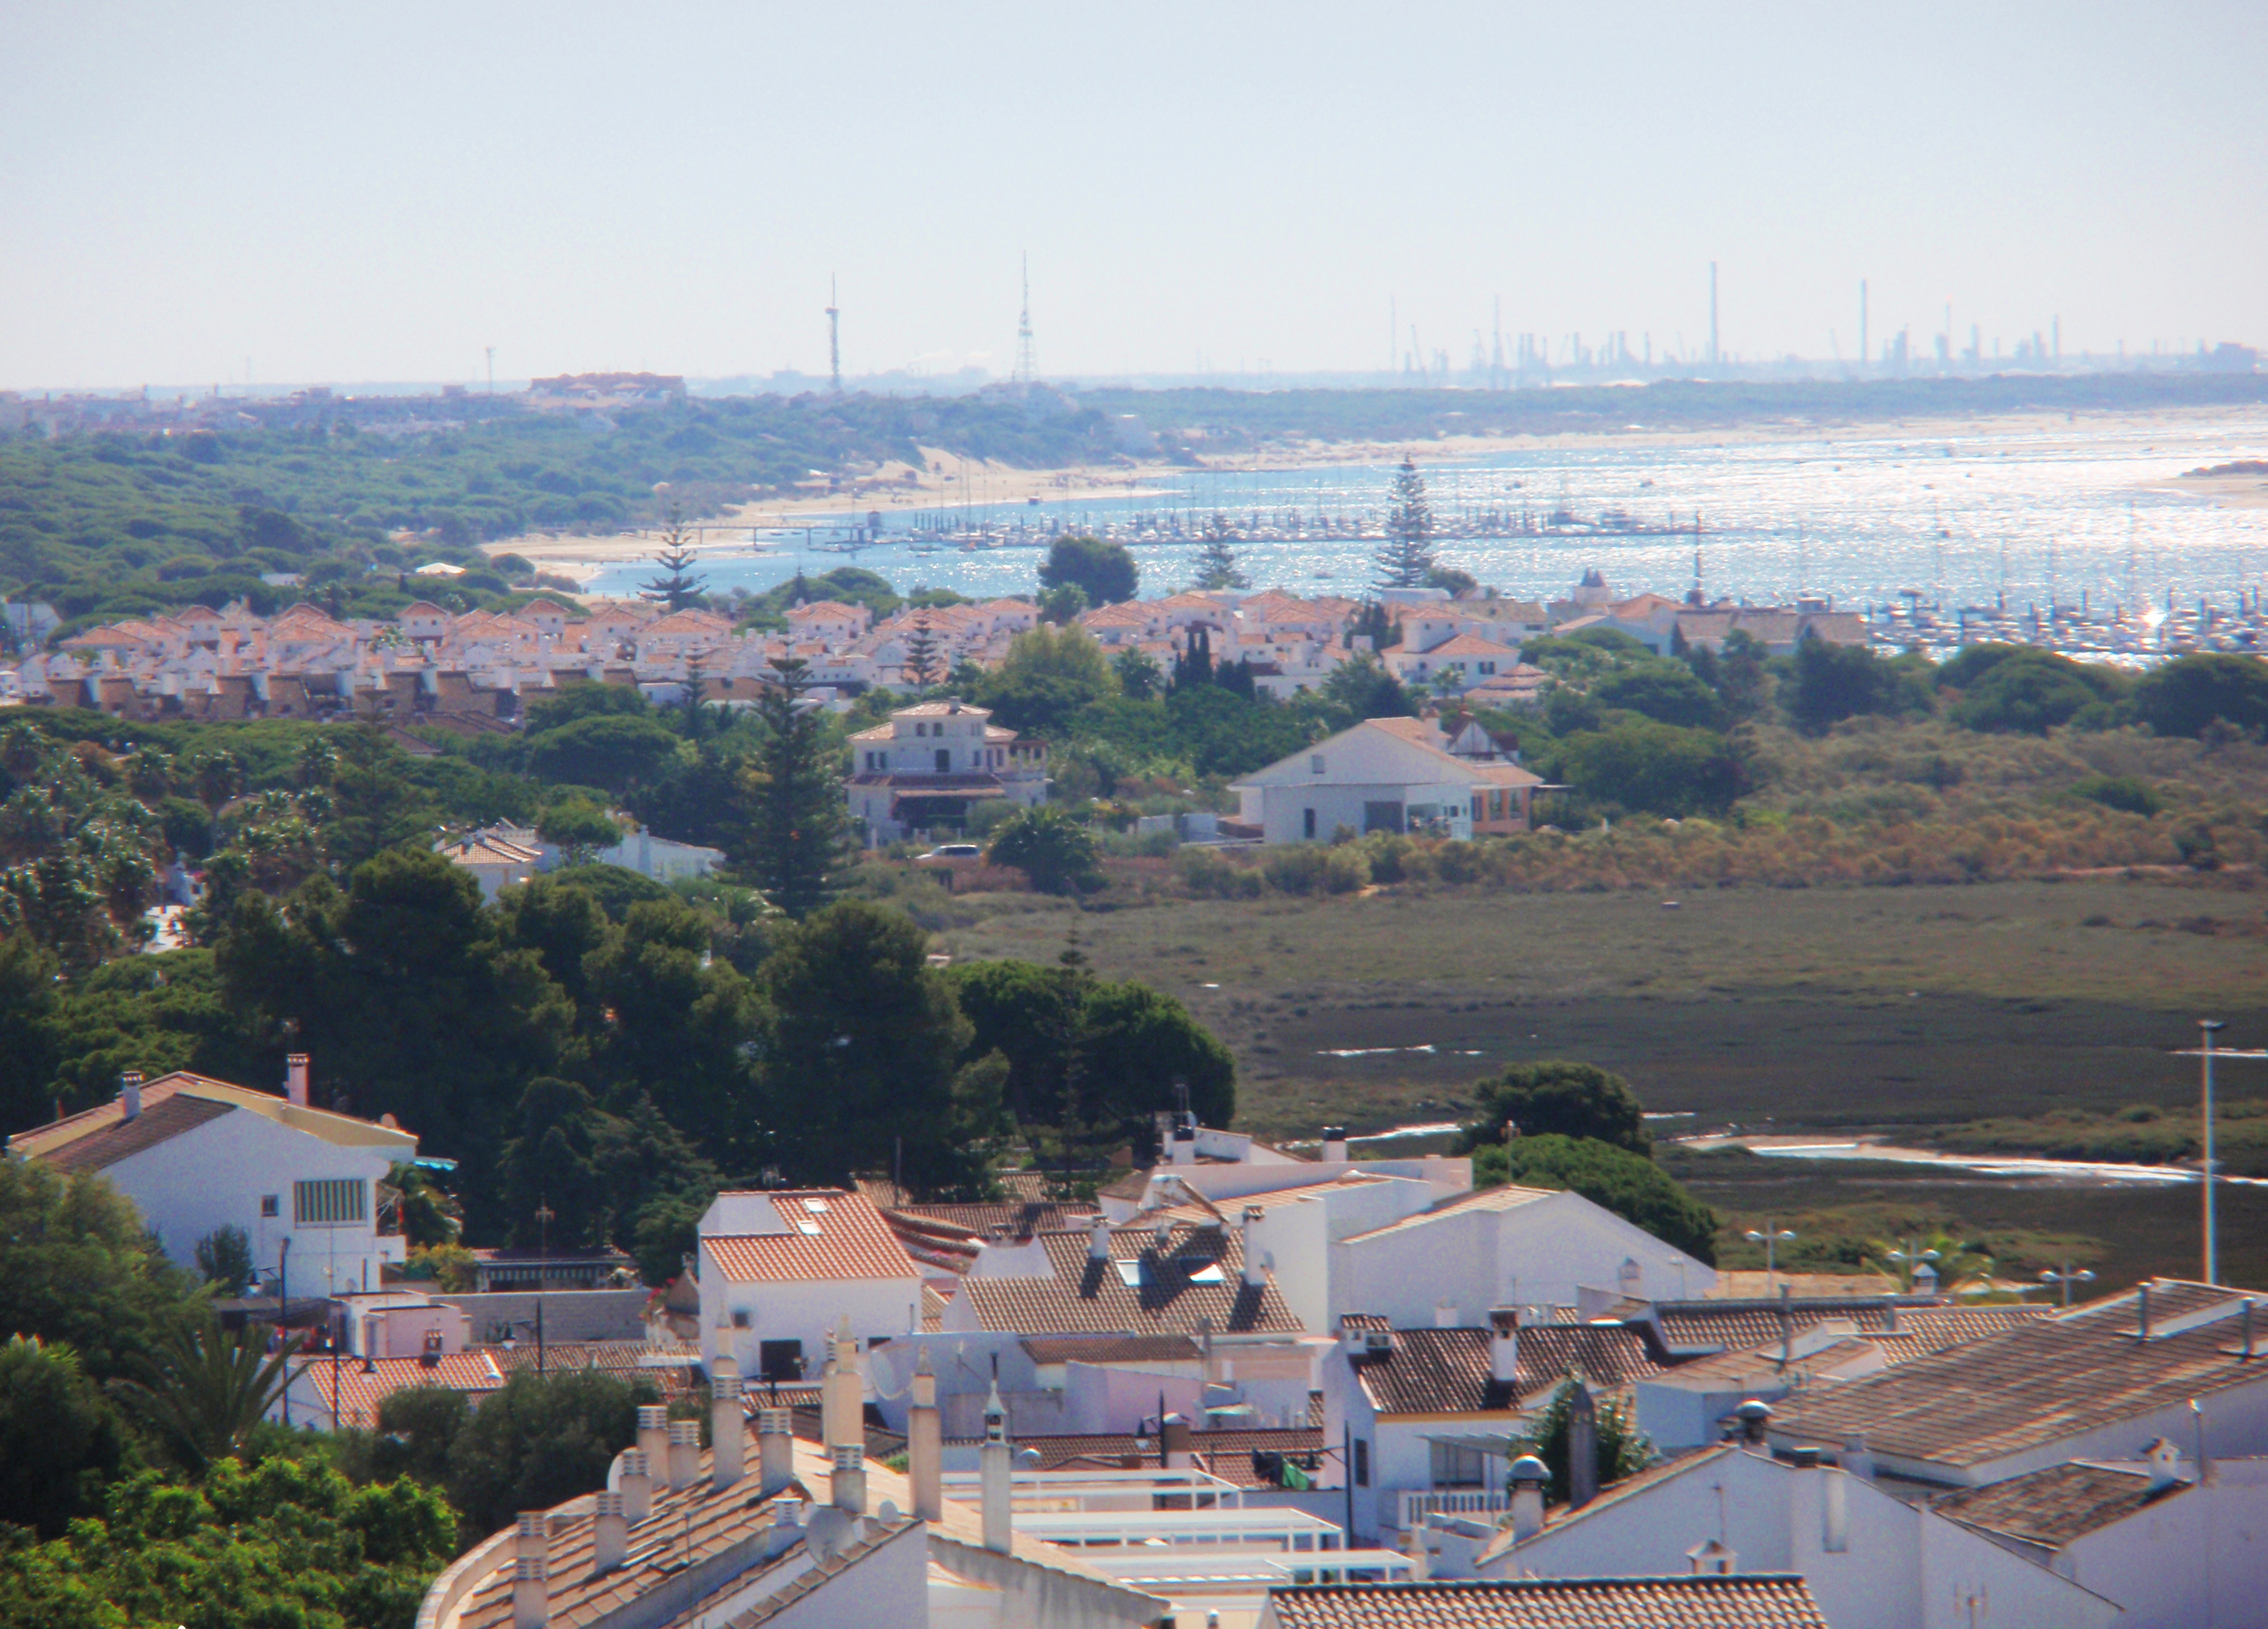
(2061, 514)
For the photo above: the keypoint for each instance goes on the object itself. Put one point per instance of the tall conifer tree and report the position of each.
(678, 586)
(797, 818)
(1407, 555)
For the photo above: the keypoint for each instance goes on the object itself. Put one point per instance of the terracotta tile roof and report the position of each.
(1021, 1217)
(362, 1386)
(622, 1358)
(1224, 1454)
(2039, 1382)
(1110, 1349)
(41, 1142)
(1200, 1274)
(847, 1238)
(1853, 1356)
(1741, 1600)
(1698, 1326)
(159, 1123)
(1445, 1371)
(1924, 1330)
(1198, 1208)
(2055, 1505)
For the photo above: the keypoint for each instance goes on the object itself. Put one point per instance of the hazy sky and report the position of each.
(379, 192)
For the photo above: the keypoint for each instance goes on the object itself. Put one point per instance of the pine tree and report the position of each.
(677, 586)
(1407, 555)
(796, 818)
(1217, 564)
(921, 665)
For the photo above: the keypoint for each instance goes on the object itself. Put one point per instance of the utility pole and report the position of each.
(834, 337)
(491, 351)
(2207, 1028)
(1028, 365)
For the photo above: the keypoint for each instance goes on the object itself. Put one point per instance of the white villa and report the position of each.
(1385, 774)
(923, 768)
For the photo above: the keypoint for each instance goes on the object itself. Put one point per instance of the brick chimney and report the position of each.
(295, 1078)
(1504, 1345)
(610, 1533)
(926, 1444)
(636, 1484)
(130, 1094)
(728, 1423)
(775, 1450)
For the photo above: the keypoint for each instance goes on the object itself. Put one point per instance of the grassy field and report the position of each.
(1896, 1008)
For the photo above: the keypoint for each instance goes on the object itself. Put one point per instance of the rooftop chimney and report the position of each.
(925, 1445)
(1445, 1315)
(2165, 1462)
(1504, 1345)
(1833, 1510)
(1755, 1418)
(610, 1533)
(847, 1476)
(775, 1449)
(998, 1487)
(1712, 1559)
(1183, 1148)
(1335, 1143)
(1630, 1279)
(429, 1351)
(1173, 1443)
(130, 1093)
(531, 1593)
(636, 1484)
(295, 1078)
(728, 1423)
(653, 1439)
(684, 1452)
(1098, 1240)
(1529, 1475)
(1254, 1276)
(841, 1397)
(2142, 1313)
(1582, 1448)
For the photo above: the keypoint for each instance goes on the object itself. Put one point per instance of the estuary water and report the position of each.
(2026, 514)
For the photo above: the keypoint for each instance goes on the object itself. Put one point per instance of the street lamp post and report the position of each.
(1916, 1261)
(2207, 1028)
(2065, 1279)
(1769, 1238)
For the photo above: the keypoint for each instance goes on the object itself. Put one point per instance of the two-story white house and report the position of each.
(1385, 774)
(922, 769)
(196, 1155)
(780, 1268)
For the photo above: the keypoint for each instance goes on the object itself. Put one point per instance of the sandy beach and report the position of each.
(952, 480)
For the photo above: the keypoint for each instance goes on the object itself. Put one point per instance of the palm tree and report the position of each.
(1957, 1267)
(203, 1389)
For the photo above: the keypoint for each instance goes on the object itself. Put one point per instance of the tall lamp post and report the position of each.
(1769, 1238)
(2065, 1279)
(2207, 1028)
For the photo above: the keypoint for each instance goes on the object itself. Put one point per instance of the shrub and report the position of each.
(1296, 867)
(2129, 793)
(1345, 869)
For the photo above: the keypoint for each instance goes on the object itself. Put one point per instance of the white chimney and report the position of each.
(1098, 1240)
(1529, 1476)
(636, 1486)
(925, 1445)
(842, 1397)
(1445, 1315)
(1253, 1275)
(1504, 1345)
(653, 1440)
(1184, 1145)
(1335, 1144)
(684, 1452)
(728, 1424)
(531, 1593)
(1630, 1279)
(1712, 1559)
(848, 1475)
(995, 1481)
(295, 1078)
(610, 1533)
(1833, 1510)
(2165, 1462)
(1173, 1443)
(775, 1449)
(130, 1094)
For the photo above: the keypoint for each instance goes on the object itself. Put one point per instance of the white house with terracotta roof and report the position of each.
(922, 769)
(1459, 662)
(779, 1269)
(195, 1154)
(1385, 774)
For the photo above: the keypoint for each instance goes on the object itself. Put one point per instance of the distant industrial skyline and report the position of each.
(267, 195)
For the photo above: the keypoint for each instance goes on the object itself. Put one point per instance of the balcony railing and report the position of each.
(1418, 1503)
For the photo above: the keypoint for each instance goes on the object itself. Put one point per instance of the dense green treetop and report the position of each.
(1557, 1097)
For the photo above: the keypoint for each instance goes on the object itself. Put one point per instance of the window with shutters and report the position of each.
(333, 1202)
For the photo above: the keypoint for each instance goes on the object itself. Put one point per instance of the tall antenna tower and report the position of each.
(491, 351)
(1714, 355)
(834, 336)
(1027, 361)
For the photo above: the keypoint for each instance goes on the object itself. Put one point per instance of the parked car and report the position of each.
(955, 851)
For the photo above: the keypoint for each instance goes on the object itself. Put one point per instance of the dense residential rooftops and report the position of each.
(1227, 1455)
(1142, 1288)
(799, 1234)
(1447, 1371)
(1740, 1601)
(2039, 1382)
(351, 1389)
